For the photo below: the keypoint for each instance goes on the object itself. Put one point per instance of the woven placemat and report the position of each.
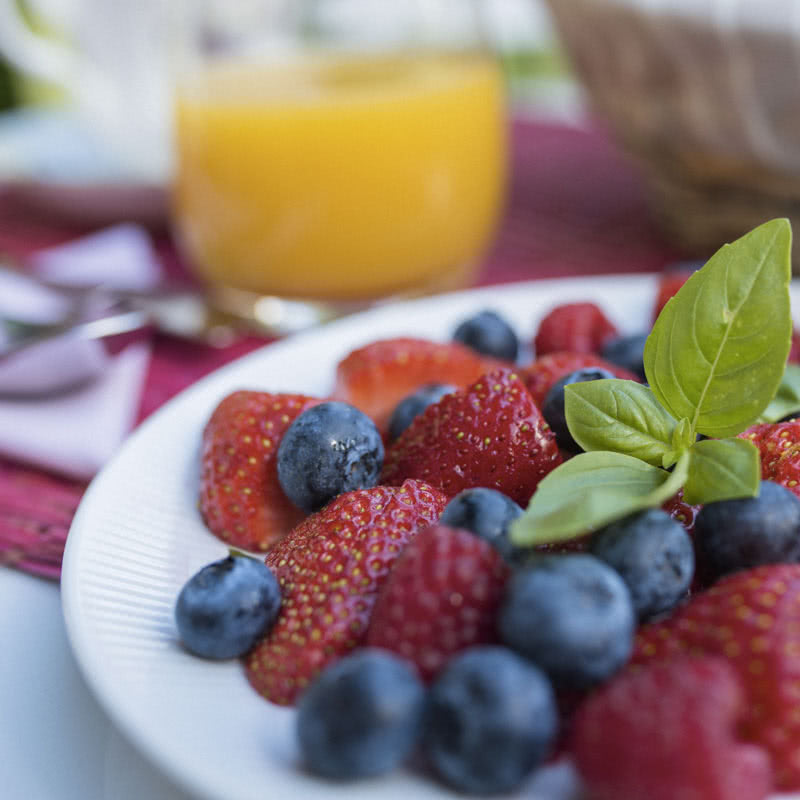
(576, 207)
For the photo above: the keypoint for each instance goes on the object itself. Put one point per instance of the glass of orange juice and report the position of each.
(339, 152)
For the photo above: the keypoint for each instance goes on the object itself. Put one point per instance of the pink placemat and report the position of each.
(576, 207)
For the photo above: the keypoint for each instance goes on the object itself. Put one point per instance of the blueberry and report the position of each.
(362, 716)
(488, 514)
(627, 352)
(654, 556)
(329, 449)
(414, 404)
(489, 334)
(226, 607)
(553, 406)
(738, 534)
(491, 720)
(572, 616)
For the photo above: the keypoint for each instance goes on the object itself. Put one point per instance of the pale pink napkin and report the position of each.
(74, 433)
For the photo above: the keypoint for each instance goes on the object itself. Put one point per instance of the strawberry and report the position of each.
(490, 434)
(330, 568)
(441, 596)
(669, 731)
(779, 446)
(375, 378)
(240, 498)
(752, 619)
(669, 282)
(546, 370)
(577, 327)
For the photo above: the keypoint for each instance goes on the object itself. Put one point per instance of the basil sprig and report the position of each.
(715, 362)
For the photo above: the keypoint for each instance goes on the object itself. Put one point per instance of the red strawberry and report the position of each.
(669, 282)
(577, 327)
(441, 596)
(546, 370)
(752, 619)
(377, 377)
(240, 498)
(779, 446)
(668, 731)
(330, 568)
(490, 434)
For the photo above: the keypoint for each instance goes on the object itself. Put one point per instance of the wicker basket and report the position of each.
(706, 96)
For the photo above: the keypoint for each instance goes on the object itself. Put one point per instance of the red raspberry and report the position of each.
(751, 619)
(441, 596)
(577, 327)
(669, 731)
(545, 371)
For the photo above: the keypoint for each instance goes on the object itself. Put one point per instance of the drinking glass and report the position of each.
(334, 153)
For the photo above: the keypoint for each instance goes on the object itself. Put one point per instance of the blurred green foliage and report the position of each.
(8, 91)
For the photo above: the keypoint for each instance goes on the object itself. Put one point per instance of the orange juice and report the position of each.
(341, 179)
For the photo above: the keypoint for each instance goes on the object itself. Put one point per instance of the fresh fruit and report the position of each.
(414, 404)
(490, 434)
(553, 406)
(330, 568)
(491, 720)
(376, 377)
(226, 607)
(627, 352)
(574, 327)
(362, 716)
(442, 596)
(682, 512)
(486, 513)
(733, 535)
(572, 616)
(329, 449)
(653, 555)
(669, 283)
(546, 370)
(779, 447)
(752, 619)
(489, 334)
(240, 498)
(669, 731)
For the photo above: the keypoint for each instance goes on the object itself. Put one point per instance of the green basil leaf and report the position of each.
(592, 490)
(717, 352)
(618, 415)
(683, 438)
(787, 398)
(722, 469)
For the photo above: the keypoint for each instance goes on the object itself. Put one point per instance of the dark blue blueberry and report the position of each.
(489, 334)
(225, 608)
(732, 535)
(571, 615)
(329, 449)
(488, 514)
(627, 352)
(654, 556)
(491, 720)
(553, 406)
(362, 716)
(413, 405)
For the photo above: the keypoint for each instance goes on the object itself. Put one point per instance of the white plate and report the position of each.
(137, 537)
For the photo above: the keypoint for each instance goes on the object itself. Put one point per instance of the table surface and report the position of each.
(576, 207)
